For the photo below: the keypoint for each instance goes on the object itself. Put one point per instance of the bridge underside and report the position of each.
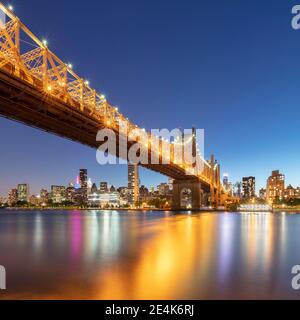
(23, 102)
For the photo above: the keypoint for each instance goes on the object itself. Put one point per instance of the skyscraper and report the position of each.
(23, 192)
(248, 187)
(83, 179)
(133, 183)
(275, 186)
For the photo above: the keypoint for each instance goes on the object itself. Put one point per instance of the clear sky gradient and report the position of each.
(230, 67)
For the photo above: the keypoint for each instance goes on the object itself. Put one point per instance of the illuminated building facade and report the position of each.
(70, 194)
(104, 200)
(44, 194)
(94, 188)
(83, 184)
(291, 193)
(103, 187)
(23, 192)
(58, 194)
(12, 197)
(248, 187)
(133, 183)
(263, 194)
(275, 186)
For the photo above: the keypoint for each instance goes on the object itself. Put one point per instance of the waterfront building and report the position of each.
(80, 197)
(3, 201)
(94, 188)
(23, 192)
(34, 200)
(12, 197)
(144, 192)
(248, 187)
(123, 191)
(275, 186)
(103, 187)
(104, 200)
(290, 192)
(58, 194)
(263, 194)
(44, 196)
(133, 183)
(70, 194)
(164, 189)
(297, 193)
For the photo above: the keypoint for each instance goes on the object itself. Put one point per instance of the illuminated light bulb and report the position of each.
(11, 8)
(102, 96)
(70, 65)
(116, 108)
(108, 122)
(87, 82)
(45, 42)
(49, 88)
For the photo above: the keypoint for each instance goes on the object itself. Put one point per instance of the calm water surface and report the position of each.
(154, 255)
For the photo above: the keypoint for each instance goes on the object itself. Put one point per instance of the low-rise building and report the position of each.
(103, 200)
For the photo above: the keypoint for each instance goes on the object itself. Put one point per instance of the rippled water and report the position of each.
(154, 255)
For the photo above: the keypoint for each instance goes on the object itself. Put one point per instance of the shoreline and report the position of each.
(275, 210)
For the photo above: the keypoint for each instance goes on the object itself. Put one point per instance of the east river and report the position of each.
(148, 255)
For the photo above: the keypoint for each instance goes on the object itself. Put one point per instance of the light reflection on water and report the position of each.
(157, 255)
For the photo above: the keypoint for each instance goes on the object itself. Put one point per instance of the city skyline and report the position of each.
(28, 151)
(247, 185)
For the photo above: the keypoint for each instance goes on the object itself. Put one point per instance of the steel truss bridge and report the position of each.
(40, 90)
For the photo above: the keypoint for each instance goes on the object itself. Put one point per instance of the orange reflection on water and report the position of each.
(165, 266)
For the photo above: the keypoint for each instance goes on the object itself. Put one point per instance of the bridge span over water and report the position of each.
(40, 90)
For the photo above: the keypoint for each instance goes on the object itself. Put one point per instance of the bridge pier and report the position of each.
(196, 194)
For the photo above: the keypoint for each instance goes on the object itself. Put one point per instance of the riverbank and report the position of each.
(274, 210)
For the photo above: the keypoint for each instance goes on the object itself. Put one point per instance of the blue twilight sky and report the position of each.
(230, 67)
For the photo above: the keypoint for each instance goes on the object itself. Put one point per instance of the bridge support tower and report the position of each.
(196, 194)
